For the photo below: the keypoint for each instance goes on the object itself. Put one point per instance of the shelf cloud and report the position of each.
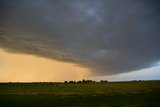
(106, 36)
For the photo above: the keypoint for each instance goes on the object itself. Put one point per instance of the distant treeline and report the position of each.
(71, 81)
(85, 81)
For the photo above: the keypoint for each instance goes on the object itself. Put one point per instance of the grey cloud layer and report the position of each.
(107, 36)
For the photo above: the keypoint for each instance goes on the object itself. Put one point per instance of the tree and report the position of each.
(65, 82)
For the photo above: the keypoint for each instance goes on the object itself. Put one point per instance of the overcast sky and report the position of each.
(109, 37)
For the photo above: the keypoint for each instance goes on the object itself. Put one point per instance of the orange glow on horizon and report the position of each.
(29, 68)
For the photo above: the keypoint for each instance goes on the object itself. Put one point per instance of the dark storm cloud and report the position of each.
(107, 36)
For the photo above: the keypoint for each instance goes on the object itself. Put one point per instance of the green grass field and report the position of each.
(111, 94)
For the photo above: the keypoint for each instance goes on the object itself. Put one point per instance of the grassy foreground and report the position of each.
(111, 94)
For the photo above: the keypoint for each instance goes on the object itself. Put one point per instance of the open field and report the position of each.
(125, 94)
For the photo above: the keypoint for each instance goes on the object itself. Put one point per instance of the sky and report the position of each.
(29, 68)
(57, 40)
